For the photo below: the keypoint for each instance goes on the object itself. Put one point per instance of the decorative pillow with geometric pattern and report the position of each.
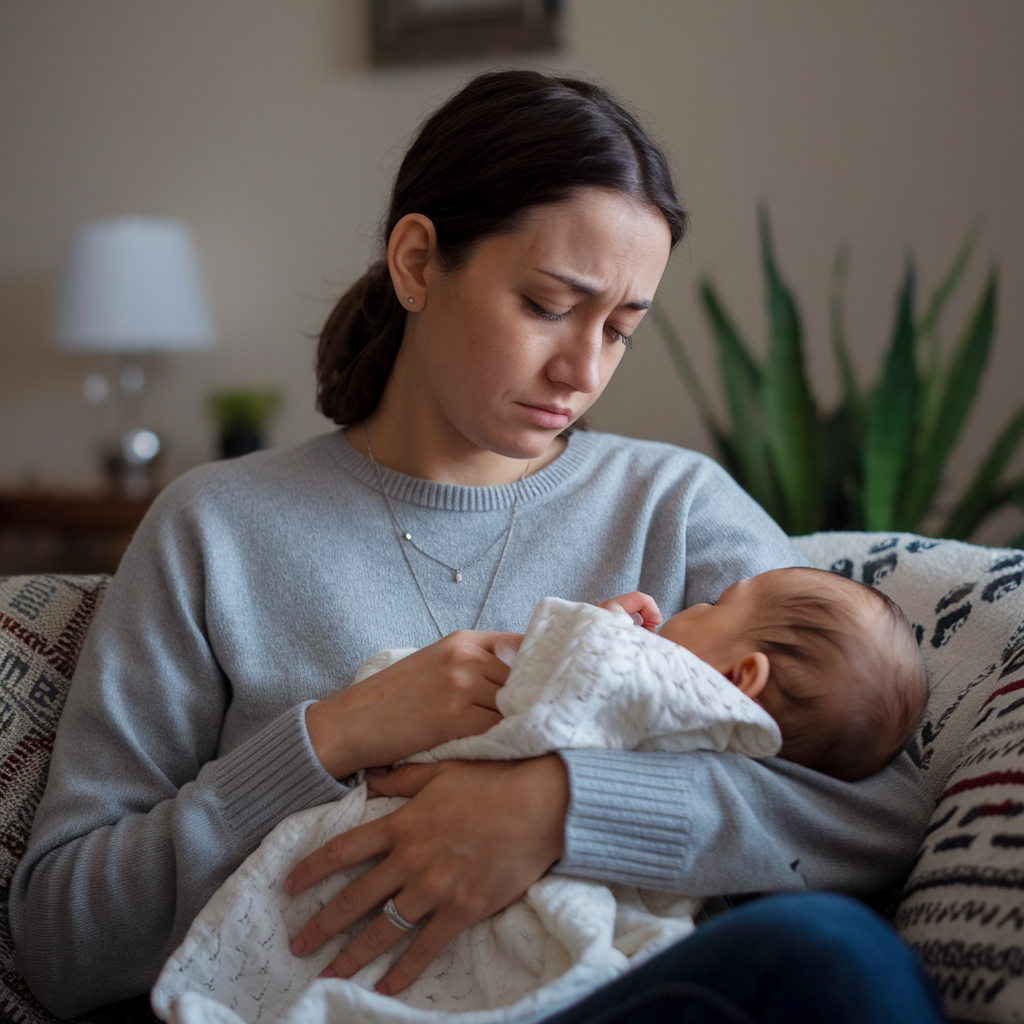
(43, 621)
(962, 908)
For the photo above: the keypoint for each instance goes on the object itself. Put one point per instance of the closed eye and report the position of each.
(543, 313)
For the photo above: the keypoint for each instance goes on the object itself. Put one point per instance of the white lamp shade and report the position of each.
(133, 285)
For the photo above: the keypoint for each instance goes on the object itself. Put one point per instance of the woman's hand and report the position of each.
(442, 692)
(642, 607)
(473, 838)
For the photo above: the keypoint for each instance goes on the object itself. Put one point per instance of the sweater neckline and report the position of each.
(458, 497)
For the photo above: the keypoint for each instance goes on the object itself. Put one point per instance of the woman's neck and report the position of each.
(429, 455)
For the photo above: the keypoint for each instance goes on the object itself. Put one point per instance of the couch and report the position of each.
(961, 907)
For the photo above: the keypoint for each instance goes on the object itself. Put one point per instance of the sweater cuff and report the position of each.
(273, 774)
(625, 822)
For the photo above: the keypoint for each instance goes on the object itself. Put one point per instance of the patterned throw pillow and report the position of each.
(962, 908)
(43, 621)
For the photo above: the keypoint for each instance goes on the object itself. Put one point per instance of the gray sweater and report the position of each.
(256, 586)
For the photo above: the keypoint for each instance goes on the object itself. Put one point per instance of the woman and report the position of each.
(529, 227)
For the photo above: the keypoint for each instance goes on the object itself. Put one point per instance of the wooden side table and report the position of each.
(65, 533)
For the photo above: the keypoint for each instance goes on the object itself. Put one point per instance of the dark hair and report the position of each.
(811, 644)
(506, 143)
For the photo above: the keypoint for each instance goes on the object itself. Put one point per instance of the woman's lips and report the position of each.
(551, 417)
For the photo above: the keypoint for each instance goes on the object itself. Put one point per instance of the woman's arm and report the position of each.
(709, 824)
(474, 836)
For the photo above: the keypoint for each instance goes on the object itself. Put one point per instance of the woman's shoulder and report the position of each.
(653, 459)
(258, 482)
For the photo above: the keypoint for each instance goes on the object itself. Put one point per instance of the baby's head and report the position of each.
(834, 662)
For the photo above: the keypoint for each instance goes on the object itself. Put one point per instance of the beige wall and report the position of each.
(883, 124)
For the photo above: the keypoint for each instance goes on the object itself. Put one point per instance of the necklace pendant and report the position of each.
(457, 578)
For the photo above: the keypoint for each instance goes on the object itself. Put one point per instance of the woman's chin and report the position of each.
(520, 444)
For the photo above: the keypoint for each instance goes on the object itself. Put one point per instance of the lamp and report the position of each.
(132, 285)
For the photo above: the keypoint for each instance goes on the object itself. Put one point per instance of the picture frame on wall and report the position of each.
(420, 31)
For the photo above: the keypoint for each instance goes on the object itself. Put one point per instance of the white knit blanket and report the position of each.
(583, 677)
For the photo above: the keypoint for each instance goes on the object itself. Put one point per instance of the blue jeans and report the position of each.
(799, 958)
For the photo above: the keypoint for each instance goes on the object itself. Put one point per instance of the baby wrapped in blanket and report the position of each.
(583, 677)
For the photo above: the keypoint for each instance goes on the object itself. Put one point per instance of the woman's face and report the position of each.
(521, 341)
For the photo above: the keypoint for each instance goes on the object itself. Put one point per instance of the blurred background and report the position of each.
(266, 127)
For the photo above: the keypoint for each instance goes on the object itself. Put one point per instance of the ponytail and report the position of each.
(358, 346)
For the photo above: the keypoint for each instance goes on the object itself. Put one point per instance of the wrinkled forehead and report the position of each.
(612, 243)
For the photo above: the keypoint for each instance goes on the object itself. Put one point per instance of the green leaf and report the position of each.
(726, 334)
(890, 418)
(976, 502)
(790, 417)
(936, 376)
(727, 455)
(677, 352)
(930, 321)
(960, 386)
(741, 379)
(840, 472)
(851, 393)
(933, 388)
(684, 367)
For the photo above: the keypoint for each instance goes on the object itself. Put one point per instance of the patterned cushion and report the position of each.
(962, 909)
(43, 621)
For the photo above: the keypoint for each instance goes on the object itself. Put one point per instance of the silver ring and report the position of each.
(391, 913)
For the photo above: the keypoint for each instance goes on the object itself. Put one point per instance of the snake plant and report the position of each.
(876, 460)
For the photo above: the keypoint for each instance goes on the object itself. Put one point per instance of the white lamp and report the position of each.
(132, 285)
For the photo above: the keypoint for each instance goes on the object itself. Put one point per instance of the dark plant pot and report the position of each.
(241, 440)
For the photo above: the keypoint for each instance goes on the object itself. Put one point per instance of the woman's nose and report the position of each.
(578, 364)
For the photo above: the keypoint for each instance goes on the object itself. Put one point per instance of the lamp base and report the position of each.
(131, 464)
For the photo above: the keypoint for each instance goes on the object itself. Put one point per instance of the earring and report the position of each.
(411, 300)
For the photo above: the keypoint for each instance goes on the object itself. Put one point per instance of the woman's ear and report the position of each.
(750, 673)
(411, 247)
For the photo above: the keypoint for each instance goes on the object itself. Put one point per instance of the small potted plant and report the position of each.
(242, 415)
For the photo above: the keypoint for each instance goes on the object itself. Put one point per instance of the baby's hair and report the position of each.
(808, 639)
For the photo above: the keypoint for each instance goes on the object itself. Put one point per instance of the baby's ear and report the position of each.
(750, 673)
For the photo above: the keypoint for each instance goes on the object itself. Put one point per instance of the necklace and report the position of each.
(403, 535)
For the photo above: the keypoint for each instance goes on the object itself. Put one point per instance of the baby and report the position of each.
(834, 662)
